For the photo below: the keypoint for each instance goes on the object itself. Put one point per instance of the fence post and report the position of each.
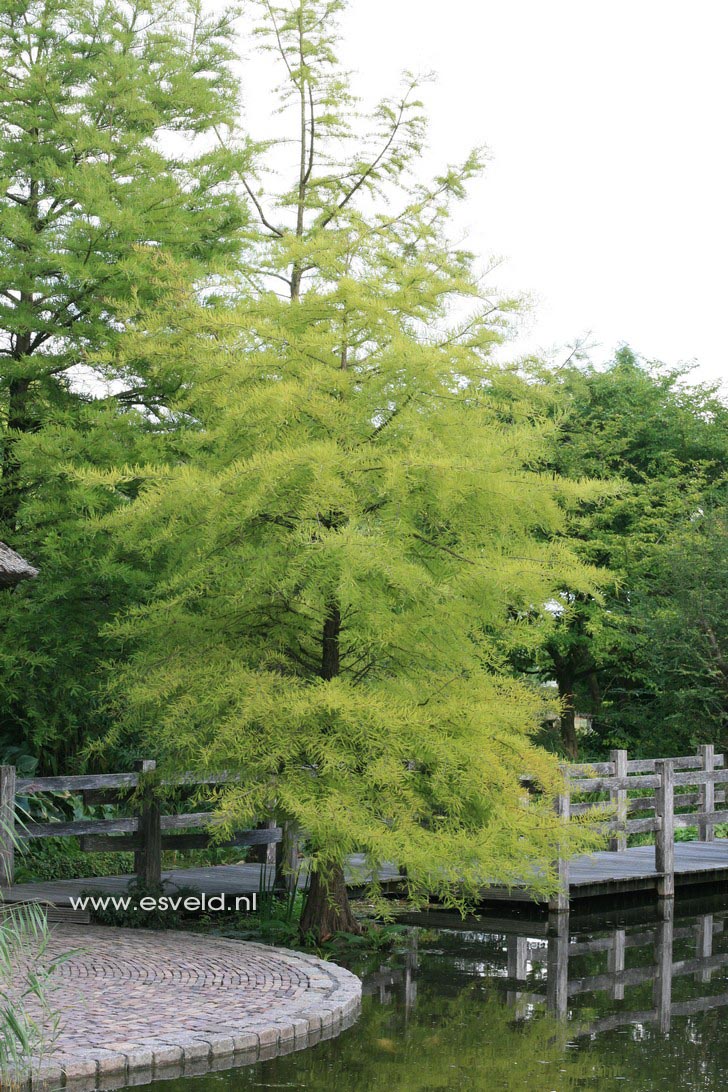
(618, 798)
(665, 834)
(560, 901)
(287, 859)
(148, 859)
(706, 830)
(7, 825)
(271, 850)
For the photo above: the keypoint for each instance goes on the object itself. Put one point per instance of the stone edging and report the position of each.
(329, 1004)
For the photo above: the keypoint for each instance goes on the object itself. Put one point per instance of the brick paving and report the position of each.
(136, 1005)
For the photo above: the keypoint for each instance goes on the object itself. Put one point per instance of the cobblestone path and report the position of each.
(134, 1003)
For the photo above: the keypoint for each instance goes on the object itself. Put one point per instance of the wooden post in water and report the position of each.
(615, 963)
(560, 901)
(706, 830)
(7, 825)
(148, 859)
(704, 946)
(663, 960)
(517, 957)
(665, 833)
(618, 798)
(557, 964)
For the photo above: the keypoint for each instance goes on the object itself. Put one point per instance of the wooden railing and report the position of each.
(664, 795)
(146, 833)
(623, 797)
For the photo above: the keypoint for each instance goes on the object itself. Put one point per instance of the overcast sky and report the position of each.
(607, 192)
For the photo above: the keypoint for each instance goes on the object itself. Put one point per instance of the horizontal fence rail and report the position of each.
(621, 797)
(645, 796)
(146, 833)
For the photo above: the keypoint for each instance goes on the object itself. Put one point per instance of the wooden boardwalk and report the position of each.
(624, 799)
(633, 870)
(230, 880)
(590, 876)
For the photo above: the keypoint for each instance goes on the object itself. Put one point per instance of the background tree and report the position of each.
(684, 637)
(355, 537)
(112, 187)
(667, 442)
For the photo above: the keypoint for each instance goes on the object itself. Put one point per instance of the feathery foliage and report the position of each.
(355, 536)
(112, 187)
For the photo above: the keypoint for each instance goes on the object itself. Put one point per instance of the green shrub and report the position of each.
(45, 859)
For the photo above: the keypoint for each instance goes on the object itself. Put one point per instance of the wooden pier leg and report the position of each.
(557, 962)
(7, 825)
(665, 835)
(706, 830)
(410, 973)
(663, 965)
(560, 901)
(517, 958)
(148, 859)
(616, 963)
(516, 966)
(618, 798)
(704, 946)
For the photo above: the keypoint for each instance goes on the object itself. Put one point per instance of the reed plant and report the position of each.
(29, 1024)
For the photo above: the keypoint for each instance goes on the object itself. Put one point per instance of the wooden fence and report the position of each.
(623, 797)
(644, 796)
(146, 833)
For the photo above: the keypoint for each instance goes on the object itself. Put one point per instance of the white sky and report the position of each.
(607, 193)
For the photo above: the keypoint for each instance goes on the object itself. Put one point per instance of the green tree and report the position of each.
(101, 106)
(112, 188)
(684, 632)
(666, 442)
(355, 538)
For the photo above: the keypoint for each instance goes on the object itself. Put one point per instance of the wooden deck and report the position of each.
(633, 870)
(231, 880)
(590, 876)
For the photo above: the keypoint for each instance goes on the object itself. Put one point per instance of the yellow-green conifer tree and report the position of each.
(354, 534)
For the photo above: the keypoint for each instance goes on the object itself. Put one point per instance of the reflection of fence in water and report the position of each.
(555, 951)
(561, 987)
(381, 983)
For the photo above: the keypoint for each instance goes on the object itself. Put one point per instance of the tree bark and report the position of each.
(330, 655)
(287, 864)
(566, 685)
(327, 909)
(19, 420)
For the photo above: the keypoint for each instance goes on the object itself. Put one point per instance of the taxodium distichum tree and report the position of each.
(353, 534)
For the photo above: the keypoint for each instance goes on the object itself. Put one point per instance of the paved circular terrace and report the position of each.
(139, 1005)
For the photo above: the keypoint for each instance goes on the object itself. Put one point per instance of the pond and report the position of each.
(637, 1001)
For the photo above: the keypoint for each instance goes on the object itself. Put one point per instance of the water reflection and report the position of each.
(527, 1006)
(550, 953)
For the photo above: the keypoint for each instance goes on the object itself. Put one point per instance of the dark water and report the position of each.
(636, 1003)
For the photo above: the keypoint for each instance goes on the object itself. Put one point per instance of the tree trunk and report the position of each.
(287, 863)
(19, 420)
(330, 655)
(327, 909)
(566, 684)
